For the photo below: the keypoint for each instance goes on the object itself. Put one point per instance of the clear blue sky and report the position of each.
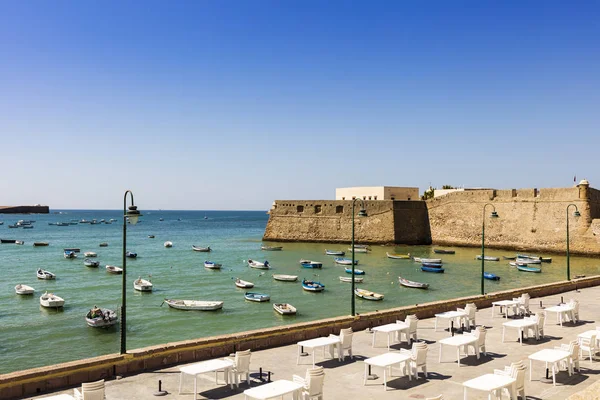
(233, 104)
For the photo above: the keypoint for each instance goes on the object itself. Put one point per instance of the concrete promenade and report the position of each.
(344, 380)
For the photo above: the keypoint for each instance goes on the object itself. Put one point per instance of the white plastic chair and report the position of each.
(90, 391)
(345, 343)
(470, 309)
(522, 308)
(538, 330)
(479, 333)
(573, 315)
(312, 384)
(573, 348)
(241, 366)
(418, 358)
(411, 333)
(589, 345)
(516, 371)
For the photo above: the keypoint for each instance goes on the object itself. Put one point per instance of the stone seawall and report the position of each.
(62, 376)
(24, 209)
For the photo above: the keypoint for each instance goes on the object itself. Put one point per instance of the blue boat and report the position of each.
(312, 286)
(131, 254)
(432, 269)
(432, 265)
(356, 271)
(311, 264)
(490, 276)
(528, 269)
(344, 261)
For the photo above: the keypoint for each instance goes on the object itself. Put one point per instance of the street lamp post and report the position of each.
(575, 214)
(132, 214)
(494, 214)
(361, 213)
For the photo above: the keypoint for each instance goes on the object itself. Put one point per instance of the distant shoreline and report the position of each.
(24, 210)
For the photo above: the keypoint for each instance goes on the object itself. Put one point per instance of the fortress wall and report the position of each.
(411, 223)
(330, 221)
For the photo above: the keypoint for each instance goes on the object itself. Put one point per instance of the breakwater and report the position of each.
(24, 209)
(61, 376)
(529, 220)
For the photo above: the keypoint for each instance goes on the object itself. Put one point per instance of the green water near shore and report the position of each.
(33, 336)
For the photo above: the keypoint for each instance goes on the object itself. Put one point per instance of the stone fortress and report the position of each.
(529, 219)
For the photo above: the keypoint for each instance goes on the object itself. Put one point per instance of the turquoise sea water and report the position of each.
(34, 336)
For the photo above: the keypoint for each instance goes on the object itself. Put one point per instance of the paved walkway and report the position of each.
(344, 380)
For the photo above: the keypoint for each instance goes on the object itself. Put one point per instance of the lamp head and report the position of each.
(577, 213)
(362, 213)
(494, 214)
(133, 214)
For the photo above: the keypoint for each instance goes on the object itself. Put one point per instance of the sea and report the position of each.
(33, 336)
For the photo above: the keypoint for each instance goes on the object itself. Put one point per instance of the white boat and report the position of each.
(51, 300)
(257, 297)
(412, 284)
(285, 278)
(142, 285)
(24, 289)
(202, 249)
(194, 305)
(212, 265)
(19, 242)
(367, 294)
(114, 270)
(101, 317)
(344, 261)
(334, 252)
(258, 264)
(357, 279)
(43, 274)
(428, 260)
(70, 254)
(398, 256)
(89, 254)
(487, 258)
(359, 249)
(271, 248)
(284, 308)
(91, 263)
(168, 244)
(243, 284)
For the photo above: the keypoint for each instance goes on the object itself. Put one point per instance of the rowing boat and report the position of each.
(367, 294)
(412, 284)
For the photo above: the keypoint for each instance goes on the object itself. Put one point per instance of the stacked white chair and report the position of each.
(412, 322)
(573, 348)
(241, 366)
(312, 384)
(90, 391)
(470, 309)
(418, 358)
(479, 333)
(522, 308)
(345, 343)
(516, 371)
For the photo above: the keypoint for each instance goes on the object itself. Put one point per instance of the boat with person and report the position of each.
(285, 278)
(111, 269)
(194, 305)
(271, 248)
(348, 279)
(101, 318)
(427, 260)
(40, 244)
(142, 285)
(344, 261)
(50, 300)
(69, 254)
(89, 254)
(258, 264)
(444, 251)
(487, 258)
(45, 275)
(412, 284)
(201, 249)
(356, 271)
(88, 262)
(398, 256)
(257, 297)
(212, 265)
(24, 289)
(243, 284)
(490, 276)
(526, 268)
(168, 244)
(284, 308)
(367, 294)
(131, 254)
(311, 264)
(432, 269)
(312, 286)
(334, 252)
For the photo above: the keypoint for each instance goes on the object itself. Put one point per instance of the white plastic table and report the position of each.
(450, 316)
(504, 303)
(318, 342)
(560, 311)
(274, 389)
(458, 341)
(521, 325)
(588, 335)
(490, 383)
(390, 329)
(549, 356)
(204, 367)
(386, 360)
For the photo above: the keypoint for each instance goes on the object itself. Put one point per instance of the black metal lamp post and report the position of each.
(361, 213)
(575, 214)
(494, 214)
(132, 214)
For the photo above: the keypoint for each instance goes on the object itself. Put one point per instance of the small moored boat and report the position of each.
(19, 242)
(271, 248)
(151, 236)
(101, 317)
(359, 249)
(89, 254)
(487, 258)
(194, 305)
(168, 244)
(258, 264)
(43, 274)
(546, 259)
(311, 264)
(131, 254)
(142, 285)
(490, 276)
(257, 297)
(212, 265)
(398, 256)
(285, 278)
(201, 249)
(348, 279)
(345, 261)
(412, 284)
(88, 262)
(432, 269)
(50, 300)
(367, 294)
(284, 308)
(356, 271)
(312, 286)
(525, 268)
(114, 270)
(40, 244)
(243, 284)
(432, 265)
(444, 251)
(334, 252)
(103, 244)
(24, 289)
(70, 254)
(509, 258)
(427, 260)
